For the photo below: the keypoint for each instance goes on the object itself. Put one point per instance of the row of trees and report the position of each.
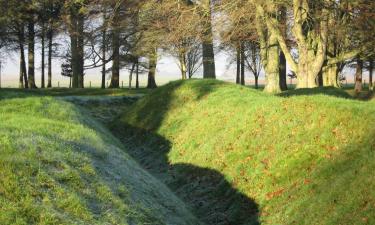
(315, 39)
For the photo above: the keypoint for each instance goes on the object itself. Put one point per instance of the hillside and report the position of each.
(239, 156)
(59, 166)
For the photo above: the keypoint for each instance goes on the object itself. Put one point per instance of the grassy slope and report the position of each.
(302, 159)
(58, 166)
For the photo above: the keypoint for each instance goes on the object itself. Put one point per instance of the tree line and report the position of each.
(315, 39)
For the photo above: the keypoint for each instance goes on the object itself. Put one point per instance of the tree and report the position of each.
(75, 12)
(311, 35)
(358, 76)
(253, 60)
(209, 69)
(66, 69)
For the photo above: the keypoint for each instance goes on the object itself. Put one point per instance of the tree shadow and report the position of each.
(213, 199)
(207, 192)
(329, 91)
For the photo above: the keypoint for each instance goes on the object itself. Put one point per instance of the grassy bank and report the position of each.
(239, 156)
(59, 166)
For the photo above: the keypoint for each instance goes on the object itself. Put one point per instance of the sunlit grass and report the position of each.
(305, 159)
(59, 166)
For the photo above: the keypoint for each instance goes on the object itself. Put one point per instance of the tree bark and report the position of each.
(256, 82)
(23, 65)
(50, 43)
(137, 76)
(43, 57)
(152, 70)
(330, 75)
(76, 30)
(283, 72)
(272, 66)
(242, 64)
(238, 74)
(371, 70)
(104, 52)
(115, 80)
(269, 50)
(20, 81)
(80, 48)
(358, 76)
(183, 66)
(209, 70)
(74, 61)
(31, 54)
(131, 76)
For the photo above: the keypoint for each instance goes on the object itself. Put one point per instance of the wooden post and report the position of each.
(90, 84)
(58, 84)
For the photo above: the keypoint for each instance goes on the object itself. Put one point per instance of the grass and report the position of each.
(304, 158)
(74, 92)
(59, 166)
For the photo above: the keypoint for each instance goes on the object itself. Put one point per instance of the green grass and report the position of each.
(307, 158)
(74, 92)
(59, 166)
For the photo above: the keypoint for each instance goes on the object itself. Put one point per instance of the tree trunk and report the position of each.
(209, 70)
(80, 48)
(272, 66)
(104, 51)
(20, 81)
(152, 70)
(242, 64)
(50, 43)
(131, 76)
(283, 72)
(256, 82)
(371, 70)
(77, 49)
(308, 68)
(23, 65)
(238, 74)
(183, 66)
(137, 76)
(115, 80)
(74, 61)
(269, 50)
(43, 57)
(358, 76)
(31, 54)
(330, 75)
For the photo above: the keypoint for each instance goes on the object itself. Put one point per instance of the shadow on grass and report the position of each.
(207, 192)
(63, 92)
(329, 91)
